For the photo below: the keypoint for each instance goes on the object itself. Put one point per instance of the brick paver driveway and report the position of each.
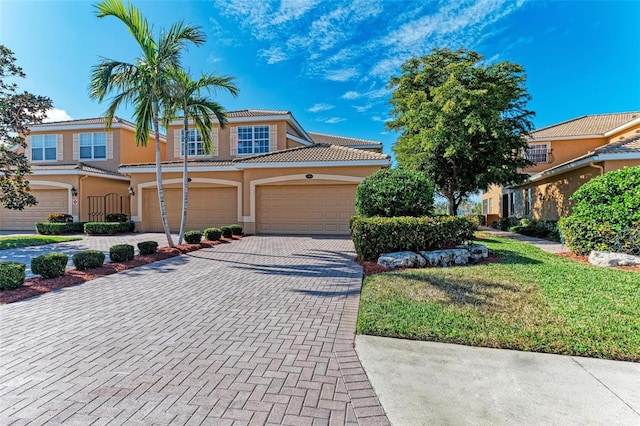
(254, 332)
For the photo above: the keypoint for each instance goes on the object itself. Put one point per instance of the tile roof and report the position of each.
(190, 163)
(256, 113)
(341, 140)
(597, 124)
(314, 153)
(84, 121)
(627, 145)
(80, 167)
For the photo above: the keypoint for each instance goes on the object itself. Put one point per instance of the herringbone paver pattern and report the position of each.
(259, 331)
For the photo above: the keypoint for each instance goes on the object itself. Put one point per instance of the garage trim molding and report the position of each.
(153, 184)
(66, 186)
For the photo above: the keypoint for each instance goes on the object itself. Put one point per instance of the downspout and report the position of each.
(595, 166)
(80, 193)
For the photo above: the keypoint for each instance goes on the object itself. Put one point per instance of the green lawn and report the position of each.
(532, 301)
(10, 242)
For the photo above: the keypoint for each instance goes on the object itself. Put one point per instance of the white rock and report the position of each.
(476, 251)
(455, 256)
(401, 259)
(607, 258)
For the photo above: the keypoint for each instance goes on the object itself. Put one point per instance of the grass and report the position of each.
(532, 301)
(32, 240)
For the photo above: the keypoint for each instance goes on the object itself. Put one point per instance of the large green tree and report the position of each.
(461, 121)
(18, 111)
(144, 83)
(186, 96)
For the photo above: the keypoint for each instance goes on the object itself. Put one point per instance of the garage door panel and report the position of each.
(49, 201)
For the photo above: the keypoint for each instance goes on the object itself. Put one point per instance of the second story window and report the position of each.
(194, 142)
(537, 153)
(93, 146)
(253, 140)
(44, 148)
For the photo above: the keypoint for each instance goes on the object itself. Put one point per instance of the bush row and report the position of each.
(57, 228)
(212, 234)
(96, 228)
(538, 228)
(375, 235)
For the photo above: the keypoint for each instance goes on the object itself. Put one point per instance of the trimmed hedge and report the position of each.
(212, 234)
(236, 229)
(547, 229)
(88, 259)
(375, 235)
(227, 231)
(121, 252)
(50, 265)
(148, 247)
(59, 218)
(108, 228)
(12, 275)
(192, 237)
(53, 228)
(116, 217)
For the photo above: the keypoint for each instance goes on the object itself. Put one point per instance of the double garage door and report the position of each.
(49, 201)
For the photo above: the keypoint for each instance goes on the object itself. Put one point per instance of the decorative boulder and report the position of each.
(606, 258)
(401, 259)
(455, 256)
(476, 251)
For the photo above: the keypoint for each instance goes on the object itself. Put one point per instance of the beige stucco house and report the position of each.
(566, 155)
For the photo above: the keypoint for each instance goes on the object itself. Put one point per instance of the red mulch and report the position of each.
(36, 286)
(369, 267)
(585, 259)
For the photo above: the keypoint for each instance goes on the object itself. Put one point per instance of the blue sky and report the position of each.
(329, 61)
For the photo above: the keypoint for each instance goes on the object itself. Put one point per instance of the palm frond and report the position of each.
(108, 75)
(143, 116)
(134, 20)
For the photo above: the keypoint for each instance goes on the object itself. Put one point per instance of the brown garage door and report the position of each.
(49, 201)
(305, 209)
(207, 207)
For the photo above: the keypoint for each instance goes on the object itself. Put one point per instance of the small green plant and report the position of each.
(116, 217)
(212, 234)
(236, 229)
(88, 259)
(50, 265)
(108, 228)
(147, 247)
(193, 237)
(121, 253)
(59, 218)
(12, 275)
(227, 232)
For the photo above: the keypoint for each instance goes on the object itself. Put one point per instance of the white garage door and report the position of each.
(49, 201)
(208, 207)
(305, 209)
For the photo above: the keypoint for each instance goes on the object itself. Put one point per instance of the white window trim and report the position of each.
(253, 140)
(44, 160)
(182, 144)
(538, 151)
(93, 158)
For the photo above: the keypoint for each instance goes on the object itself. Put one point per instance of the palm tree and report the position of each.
(143, 83)
(186, 95)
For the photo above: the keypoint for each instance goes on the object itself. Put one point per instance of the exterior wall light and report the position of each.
(309, 176)
(131, 191)
(74, 191)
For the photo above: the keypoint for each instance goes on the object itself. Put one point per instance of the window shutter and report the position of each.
(233, 136)
(215, 141)
(76, 146)
(177, 142)
(59, 155)
(273, 138)
(27, 150)
(110, 145)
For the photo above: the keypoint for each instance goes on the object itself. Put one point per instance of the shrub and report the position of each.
(227, 232)
(504, 223)
(236, 229)
(88, 259)
(395, 192)
(53, 228)
(12, 275)
(108, 228)
(116, 217)
(59, 218)
(476, 219)
(50, 265)
(147, 247)
(605, 214)
(121, 252)
(193, 237)
(547, 229)
(374, 235)
(212, 234)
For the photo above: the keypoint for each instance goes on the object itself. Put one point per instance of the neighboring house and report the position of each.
(265, 172)
(74, 170)
(567, 155)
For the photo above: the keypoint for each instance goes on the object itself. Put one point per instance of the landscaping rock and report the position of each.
(476, 251)
(401, 259)
(607, 258)
(455, 256)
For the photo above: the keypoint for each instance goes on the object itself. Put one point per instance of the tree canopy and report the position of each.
(18, 111)
(461, 121)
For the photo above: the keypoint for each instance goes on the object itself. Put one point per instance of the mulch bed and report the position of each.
(585, 259)
(370, 267)
(36, 286)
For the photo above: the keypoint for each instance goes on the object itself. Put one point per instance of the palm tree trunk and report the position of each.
(163, 210)
(185, 178)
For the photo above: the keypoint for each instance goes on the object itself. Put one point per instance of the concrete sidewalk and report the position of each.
(427, 383)
(545, 245)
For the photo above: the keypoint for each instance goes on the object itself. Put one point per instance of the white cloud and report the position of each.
(55, 114)
(334, 120)
(351, 94)
(344, 74)
(380, 119)
(212, 59)
(320, 107)
(273, 55)
(362, 108)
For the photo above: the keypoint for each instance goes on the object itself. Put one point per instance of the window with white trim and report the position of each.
(93, 146)
(538, 153)
(194, 142)
(253, 140)
(44, 147)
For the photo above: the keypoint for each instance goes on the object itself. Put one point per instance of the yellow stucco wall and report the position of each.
(133, 153)
(96, 186)
(565, 150)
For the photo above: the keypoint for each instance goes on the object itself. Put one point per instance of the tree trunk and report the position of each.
(163, 210)
(185, 178)
(452, 205)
